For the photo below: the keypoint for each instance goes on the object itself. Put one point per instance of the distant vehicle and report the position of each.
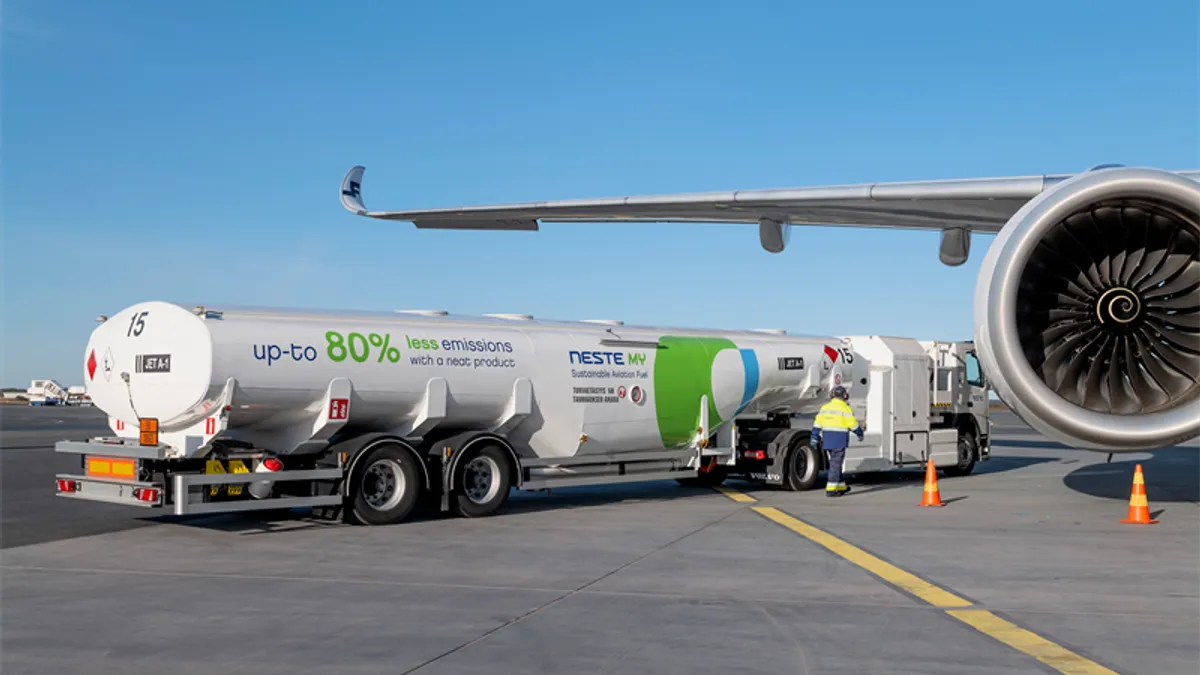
(227, 409)
(77, 395)
(1086, 305)
(49, 392)
(46, 392)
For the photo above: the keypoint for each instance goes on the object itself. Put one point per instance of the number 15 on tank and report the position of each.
(137, 324)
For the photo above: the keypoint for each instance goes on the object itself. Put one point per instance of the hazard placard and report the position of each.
(339, 408)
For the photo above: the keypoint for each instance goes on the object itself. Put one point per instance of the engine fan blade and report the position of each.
(1182, 341)
(1173, 265)
(1090, 391)
(1188, 321)
(1080, 228)
(1121, 395)
(1069, 314)
(1153, 260)
(1165, 380)
(1138, 224)
(1066, 265)
(1062, 352)
(1149, 395)
(1107, 236)
(1188, 303)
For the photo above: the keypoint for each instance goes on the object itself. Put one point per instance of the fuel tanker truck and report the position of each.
(366, 414)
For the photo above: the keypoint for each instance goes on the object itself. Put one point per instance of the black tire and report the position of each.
(968, 448)
(482, 482)
(385, 485)
(803, 467)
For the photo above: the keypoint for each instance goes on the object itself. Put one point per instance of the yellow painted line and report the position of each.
(888, 572)
(736, 496)
(1018, 638)
(1024, 641)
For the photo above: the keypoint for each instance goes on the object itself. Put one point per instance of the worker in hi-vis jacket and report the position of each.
(831, 431)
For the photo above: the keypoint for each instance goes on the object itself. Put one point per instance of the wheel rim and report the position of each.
(383, 484)
(481, 479)
(966, 449)
(800, 465)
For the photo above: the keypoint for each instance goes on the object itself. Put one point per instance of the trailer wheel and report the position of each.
(967, 448)
(803, 465)
(386, 485)
(482, 483)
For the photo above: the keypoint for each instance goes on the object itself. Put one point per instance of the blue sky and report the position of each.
(192, 151)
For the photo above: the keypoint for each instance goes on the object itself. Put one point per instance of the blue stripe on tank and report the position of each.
(750, 366)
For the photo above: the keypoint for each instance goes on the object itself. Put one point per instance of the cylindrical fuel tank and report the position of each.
(623, 388)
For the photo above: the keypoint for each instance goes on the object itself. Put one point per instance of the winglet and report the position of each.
(352, 191)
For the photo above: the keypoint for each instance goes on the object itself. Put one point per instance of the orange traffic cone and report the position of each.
(932, 496)
(1139, 508)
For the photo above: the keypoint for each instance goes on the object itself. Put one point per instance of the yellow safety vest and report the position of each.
(836, 416)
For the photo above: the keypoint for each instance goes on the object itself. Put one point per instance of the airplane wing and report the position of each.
(956, 207)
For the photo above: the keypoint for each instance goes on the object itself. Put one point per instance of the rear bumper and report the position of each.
(120, 471)
(112, 472)
(110, 490)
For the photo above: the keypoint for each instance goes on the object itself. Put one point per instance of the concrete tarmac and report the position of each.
(30, 513)
(646, 578)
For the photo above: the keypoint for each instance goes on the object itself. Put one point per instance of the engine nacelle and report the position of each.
(1087, 311)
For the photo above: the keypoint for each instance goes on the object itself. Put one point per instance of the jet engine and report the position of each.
(1087, 310)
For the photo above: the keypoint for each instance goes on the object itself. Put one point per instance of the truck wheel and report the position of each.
(482, 483)
(386, 485)
(803, 466)
(967, 447)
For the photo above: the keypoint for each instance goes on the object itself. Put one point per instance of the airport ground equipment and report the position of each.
(221, 409)
(47, 392)
(1086, 311)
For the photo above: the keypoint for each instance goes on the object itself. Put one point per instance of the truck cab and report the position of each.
(959, 396)
(918, 402)
(925, 401)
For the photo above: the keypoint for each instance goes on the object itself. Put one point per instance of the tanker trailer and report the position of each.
(221, 409)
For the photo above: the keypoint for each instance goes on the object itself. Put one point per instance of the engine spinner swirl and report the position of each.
(1118, 306)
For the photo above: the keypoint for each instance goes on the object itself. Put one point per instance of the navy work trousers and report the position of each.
(834, 481)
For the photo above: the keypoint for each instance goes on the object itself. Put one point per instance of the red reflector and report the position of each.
(272, 464)
(755, 454)
(66, 485)
(146, 494)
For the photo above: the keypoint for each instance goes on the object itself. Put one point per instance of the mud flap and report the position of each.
(777, 454)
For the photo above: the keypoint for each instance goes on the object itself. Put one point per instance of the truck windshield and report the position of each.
(974, 372)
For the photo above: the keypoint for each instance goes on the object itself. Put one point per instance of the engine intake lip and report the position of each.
(1116, 309)
(1106, 307)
